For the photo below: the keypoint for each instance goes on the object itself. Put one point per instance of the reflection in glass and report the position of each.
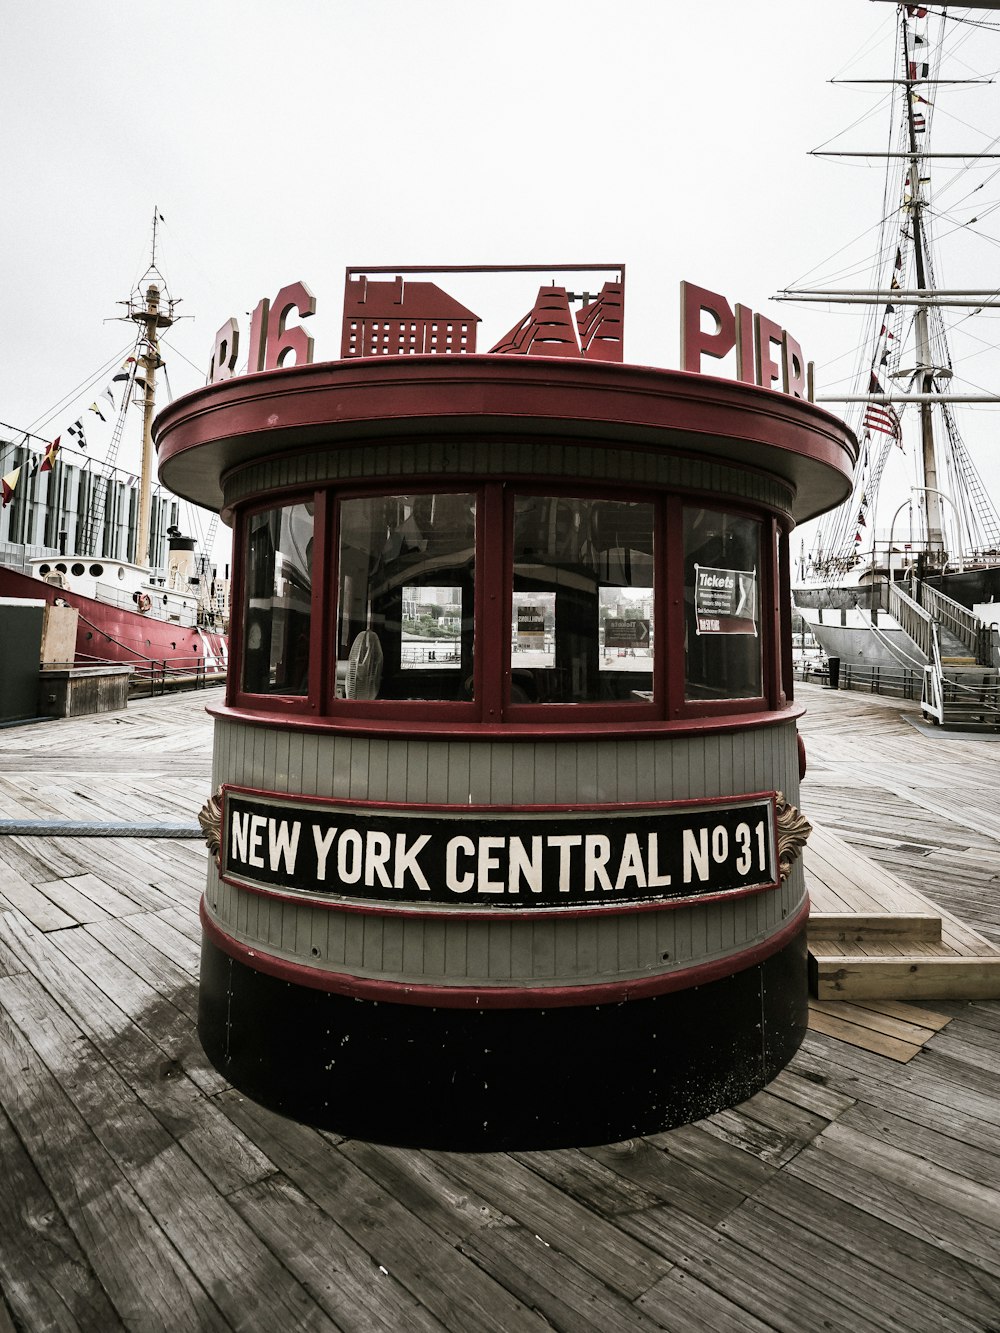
(407, 592)
(722, 646)
(582, 602)
(277, 605)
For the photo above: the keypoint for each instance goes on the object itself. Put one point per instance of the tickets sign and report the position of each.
(725, 600)
(499, 859)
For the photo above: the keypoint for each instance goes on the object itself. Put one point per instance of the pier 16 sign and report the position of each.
(491, 857)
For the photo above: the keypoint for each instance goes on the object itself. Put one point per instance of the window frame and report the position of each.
(343, 709)
(493, 568)
(596, 710)
(251, 700)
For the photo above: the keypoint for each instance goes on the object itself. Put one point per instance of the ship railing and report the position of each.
(151, 676)
(154, 678)
(955, 618)
(914, 620)
(895, 682)
(932, 699)
(964, 696)
(183, 614)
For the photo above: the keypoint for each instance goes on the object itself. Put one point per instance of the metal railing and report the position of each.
(894, 682)
(954, 617)
(913, 620)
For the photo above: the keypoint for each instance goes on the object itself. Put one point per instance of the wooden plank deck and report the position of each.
(872, 933)
(860, 1190)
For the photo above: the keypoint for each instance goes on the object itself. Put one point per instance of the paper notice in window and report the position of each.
(725, 600)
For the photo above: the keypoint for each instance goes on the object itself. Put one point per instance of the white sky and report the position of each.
(284, 142)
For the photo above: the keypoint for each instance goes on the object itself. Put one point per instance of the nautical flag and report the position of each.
(899, 252)
(94, 408)
(916, 11)
(914, 67)
(882, 418)
(8, 483)
(861, 520)
(109, 395)
(77, 430)
(50, 455)
(857, 538)
(919, 124)
(126, 371)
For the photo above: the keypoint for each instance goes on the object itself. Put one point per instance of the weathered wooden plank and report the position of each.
(340, 1275)
(545, 1211)
(967, 1212)
(860, 926)
(590, 1181)
(210, 1237)
(694, 1192)
(876, 1293)
(845, 978)
(923, 1017)
(893, 1048)
(45, 1276)
(709, 1156)
(146, 1280)
(874, 1020)
(764, 1293)
(968, 1292)
(937, 1080)
(976, 1162)
(545, 1279)
(16, 892)
(451, 1287)
(747, 1127)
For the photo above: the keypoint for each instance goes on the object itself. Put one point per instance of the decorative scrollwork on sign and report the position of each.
(793, 830)
(210, 819)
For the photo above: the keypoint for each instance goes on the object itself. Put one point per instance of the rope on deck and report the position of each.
(73, 828)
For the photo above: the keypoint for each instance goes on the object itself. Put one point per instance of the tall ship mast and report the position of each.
(941, 536)
(83, 534)
(910, 366)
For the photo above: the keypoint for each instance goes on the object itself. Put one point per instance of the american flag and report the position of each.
(882, 417)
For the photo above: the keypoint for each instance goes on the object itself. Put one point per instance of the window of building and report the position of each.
(722, 638)
(582, 616)
(406, 604)
(277, 610)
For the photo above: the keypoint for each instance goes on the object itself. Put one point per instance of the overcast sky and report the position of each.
(284, 142)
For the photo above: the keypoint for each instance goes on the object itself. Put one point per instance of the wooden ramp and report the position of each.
(872, 936)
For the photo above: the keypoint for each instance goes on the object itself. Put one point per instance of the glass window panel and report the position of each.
(722, 645)
(405, 611)
(582, 603)
(278, 601)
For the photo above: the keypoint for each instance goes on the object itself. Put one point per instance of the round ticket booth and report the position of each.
(506, 822)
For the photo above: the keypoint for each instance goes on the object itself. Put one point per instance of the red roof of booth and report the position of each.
(203, 435)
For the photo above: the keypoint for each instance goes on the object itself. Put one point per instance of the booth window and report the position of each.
(582, 602)
(278, 601)
(406, 606)
(722, 639)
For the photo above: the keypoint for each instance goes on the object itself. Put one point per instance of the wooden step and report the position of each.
(841, 976)
(861, 927)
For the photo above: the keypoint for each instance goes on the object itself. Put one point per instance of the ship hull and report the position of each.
(847, 635)
(113, 634)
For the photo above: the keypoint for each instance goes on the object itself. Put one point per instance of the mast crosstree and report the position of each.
(971, 525)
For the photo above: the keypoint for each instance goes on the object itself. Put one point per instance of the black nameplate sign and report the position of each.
(499, 859)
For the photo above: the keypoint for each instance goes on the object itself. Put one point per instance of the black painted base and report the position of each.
(501, 1079)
